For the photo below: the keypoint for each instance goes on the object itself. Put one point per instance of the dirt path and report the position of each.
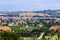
(41, 36)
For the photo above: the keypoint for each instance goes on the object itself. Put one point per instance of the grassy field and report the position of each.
(29, 28)
(28, 38)
(16, 28)
(55, 37)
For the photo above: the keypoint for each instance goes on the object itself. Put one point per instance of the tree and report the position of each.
(5, 35)
(9, 35)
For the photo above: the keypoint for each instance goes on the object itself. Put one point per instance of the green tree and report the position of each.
(9, 35)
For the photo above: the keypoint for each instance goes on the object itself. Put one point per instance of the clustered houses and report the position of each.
(27, 15)
(36, 16)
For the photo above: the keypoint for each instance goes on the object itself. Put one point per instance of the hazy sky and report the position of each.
(28, 5)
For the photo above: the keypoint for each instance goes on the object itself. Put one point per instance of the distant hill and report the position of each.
(47, 11)
(16, 13)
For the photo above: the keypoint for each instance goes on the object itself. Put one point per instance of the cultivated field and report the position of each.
(5, 28)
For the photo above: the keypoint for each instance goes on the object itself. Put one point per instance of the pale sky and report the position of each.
(28, 5)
